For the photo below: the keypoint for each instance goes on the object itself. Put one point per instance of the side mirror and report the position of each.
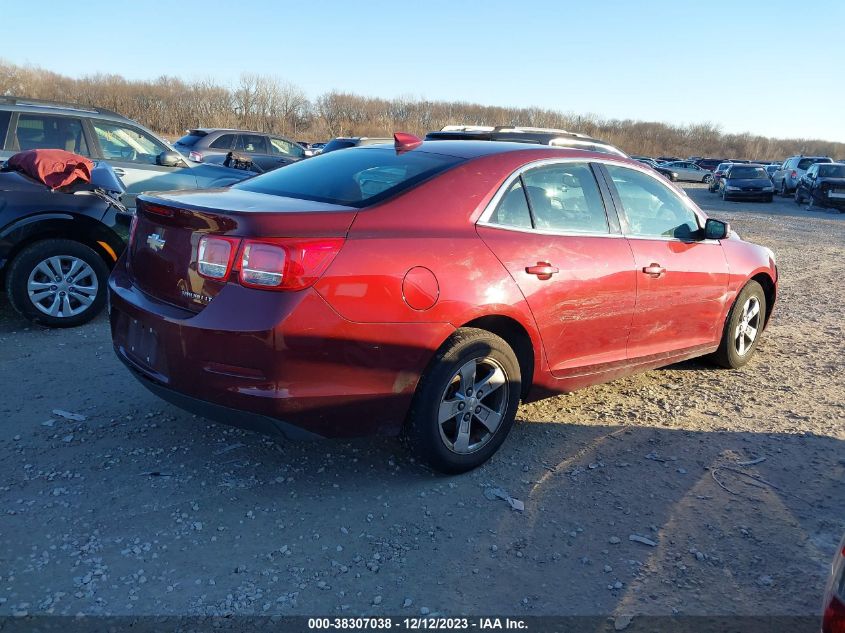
(168, 159)
(716, 229)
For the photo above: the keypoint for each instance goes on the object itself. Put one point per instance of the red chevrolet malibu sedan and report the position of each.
(425, 288)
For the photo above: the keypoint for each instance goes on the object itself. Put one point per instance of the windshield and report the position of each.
(356, 178)
(748, 173)
(832, 171)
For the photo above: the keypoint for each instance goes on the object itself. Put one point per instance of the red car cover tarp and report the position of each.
(54, 167)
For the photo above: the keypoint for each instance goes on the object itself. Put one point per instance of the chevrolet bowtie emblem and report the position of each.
(155, 242)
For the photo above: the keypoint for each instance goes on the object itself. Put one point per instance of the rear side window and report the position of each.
(512, 209)
(357, 178)
(189, 140)
(652, 208)
(565, 197)
(252, 144)
(224, 141)
(804, 163)
(4, 126)
(36, 131)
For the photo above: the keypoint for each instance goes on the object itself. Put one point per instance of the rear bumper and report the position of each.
(273, 362)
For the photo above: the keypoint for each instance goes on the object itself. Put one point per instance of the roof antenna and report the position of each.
(404, 142)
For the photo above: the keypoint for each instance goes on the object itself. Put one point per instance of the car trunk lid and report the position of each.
(162, 258)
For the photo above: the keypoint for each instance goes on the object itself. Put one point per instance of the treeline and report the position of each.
(170, 105)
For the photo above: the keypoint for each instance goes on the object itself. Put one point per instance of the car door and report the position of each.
(133, 153)
(682, 279)
(256, 147)
(550, 229)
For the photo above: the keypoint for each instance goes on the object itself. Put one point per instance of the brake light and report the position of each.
(794, 174)
(195, 156)
(286, 264)
(133, 227)
(215, 255)
(833, 620)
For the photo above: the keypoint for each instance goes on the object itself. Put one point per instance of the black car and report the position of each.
(746, 182)
(267, 151)
(58, 247)
(823, 186)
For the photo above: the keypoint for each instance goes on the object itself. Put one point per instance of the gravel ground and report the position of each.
(139, 508)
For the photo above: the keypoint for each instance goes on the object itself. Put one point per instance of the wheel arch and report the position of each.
(517, 336)
(769, 291)
(47, 226)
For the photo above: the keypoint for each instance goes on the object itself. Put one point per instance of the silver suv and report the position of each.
(785, 179)
(142, 160)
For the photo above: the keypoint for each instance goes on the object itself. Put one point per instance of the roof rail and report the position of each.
(45, 103)
(509, 128)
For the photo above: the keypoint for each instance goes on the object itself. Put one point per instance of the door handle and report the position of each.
(118, 171)
(543, 270)
(655, 270)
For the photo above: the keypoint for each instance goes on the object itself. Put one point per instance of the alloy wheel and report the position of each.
(749, 325)
(62, 286)
(472, 405)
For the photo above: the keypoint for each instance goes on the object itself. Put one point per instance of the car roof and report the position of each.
(475, 149)
(212, 130)
(40, 106)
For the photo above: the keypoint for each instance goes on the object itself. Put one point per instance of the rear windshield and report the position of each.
(189, 139)
(357, 178)
(805, 163)
(748, 172)
(832, 171)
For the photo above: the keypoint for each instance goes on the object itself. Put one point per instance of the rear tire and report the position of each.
(743, 323)
(784, 192)
(707, 179)
(798, 197)
(444, 426)
(57, 283)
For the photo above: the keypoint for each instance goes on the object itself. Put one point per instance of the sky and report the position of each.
(768, 67)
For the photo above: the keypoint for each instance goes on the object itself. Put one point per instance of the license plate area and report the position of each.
(143, 347)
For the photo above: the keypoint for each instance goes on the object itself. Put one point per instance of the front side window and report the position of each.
(565, 197)
(252, 144)
(36, 131)
(281, 147)
(356, 178)
(127, 144)
(652, 208)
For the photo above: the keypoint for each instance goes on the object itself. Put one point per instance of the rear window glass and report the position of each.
(356, 178)
(748, 172)
(189, 139)
(805, 163)
(832, 171)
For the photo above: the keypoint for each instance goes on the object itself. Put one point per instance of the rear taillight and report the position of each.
(286, 264)
(833, 618)
(195, 156)
(215, 255)
(794, 174)
(133, 227)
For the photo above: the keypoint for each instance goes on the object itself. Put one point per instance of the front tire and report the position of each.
(465, 403)
(57, 283)
(743, 327)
